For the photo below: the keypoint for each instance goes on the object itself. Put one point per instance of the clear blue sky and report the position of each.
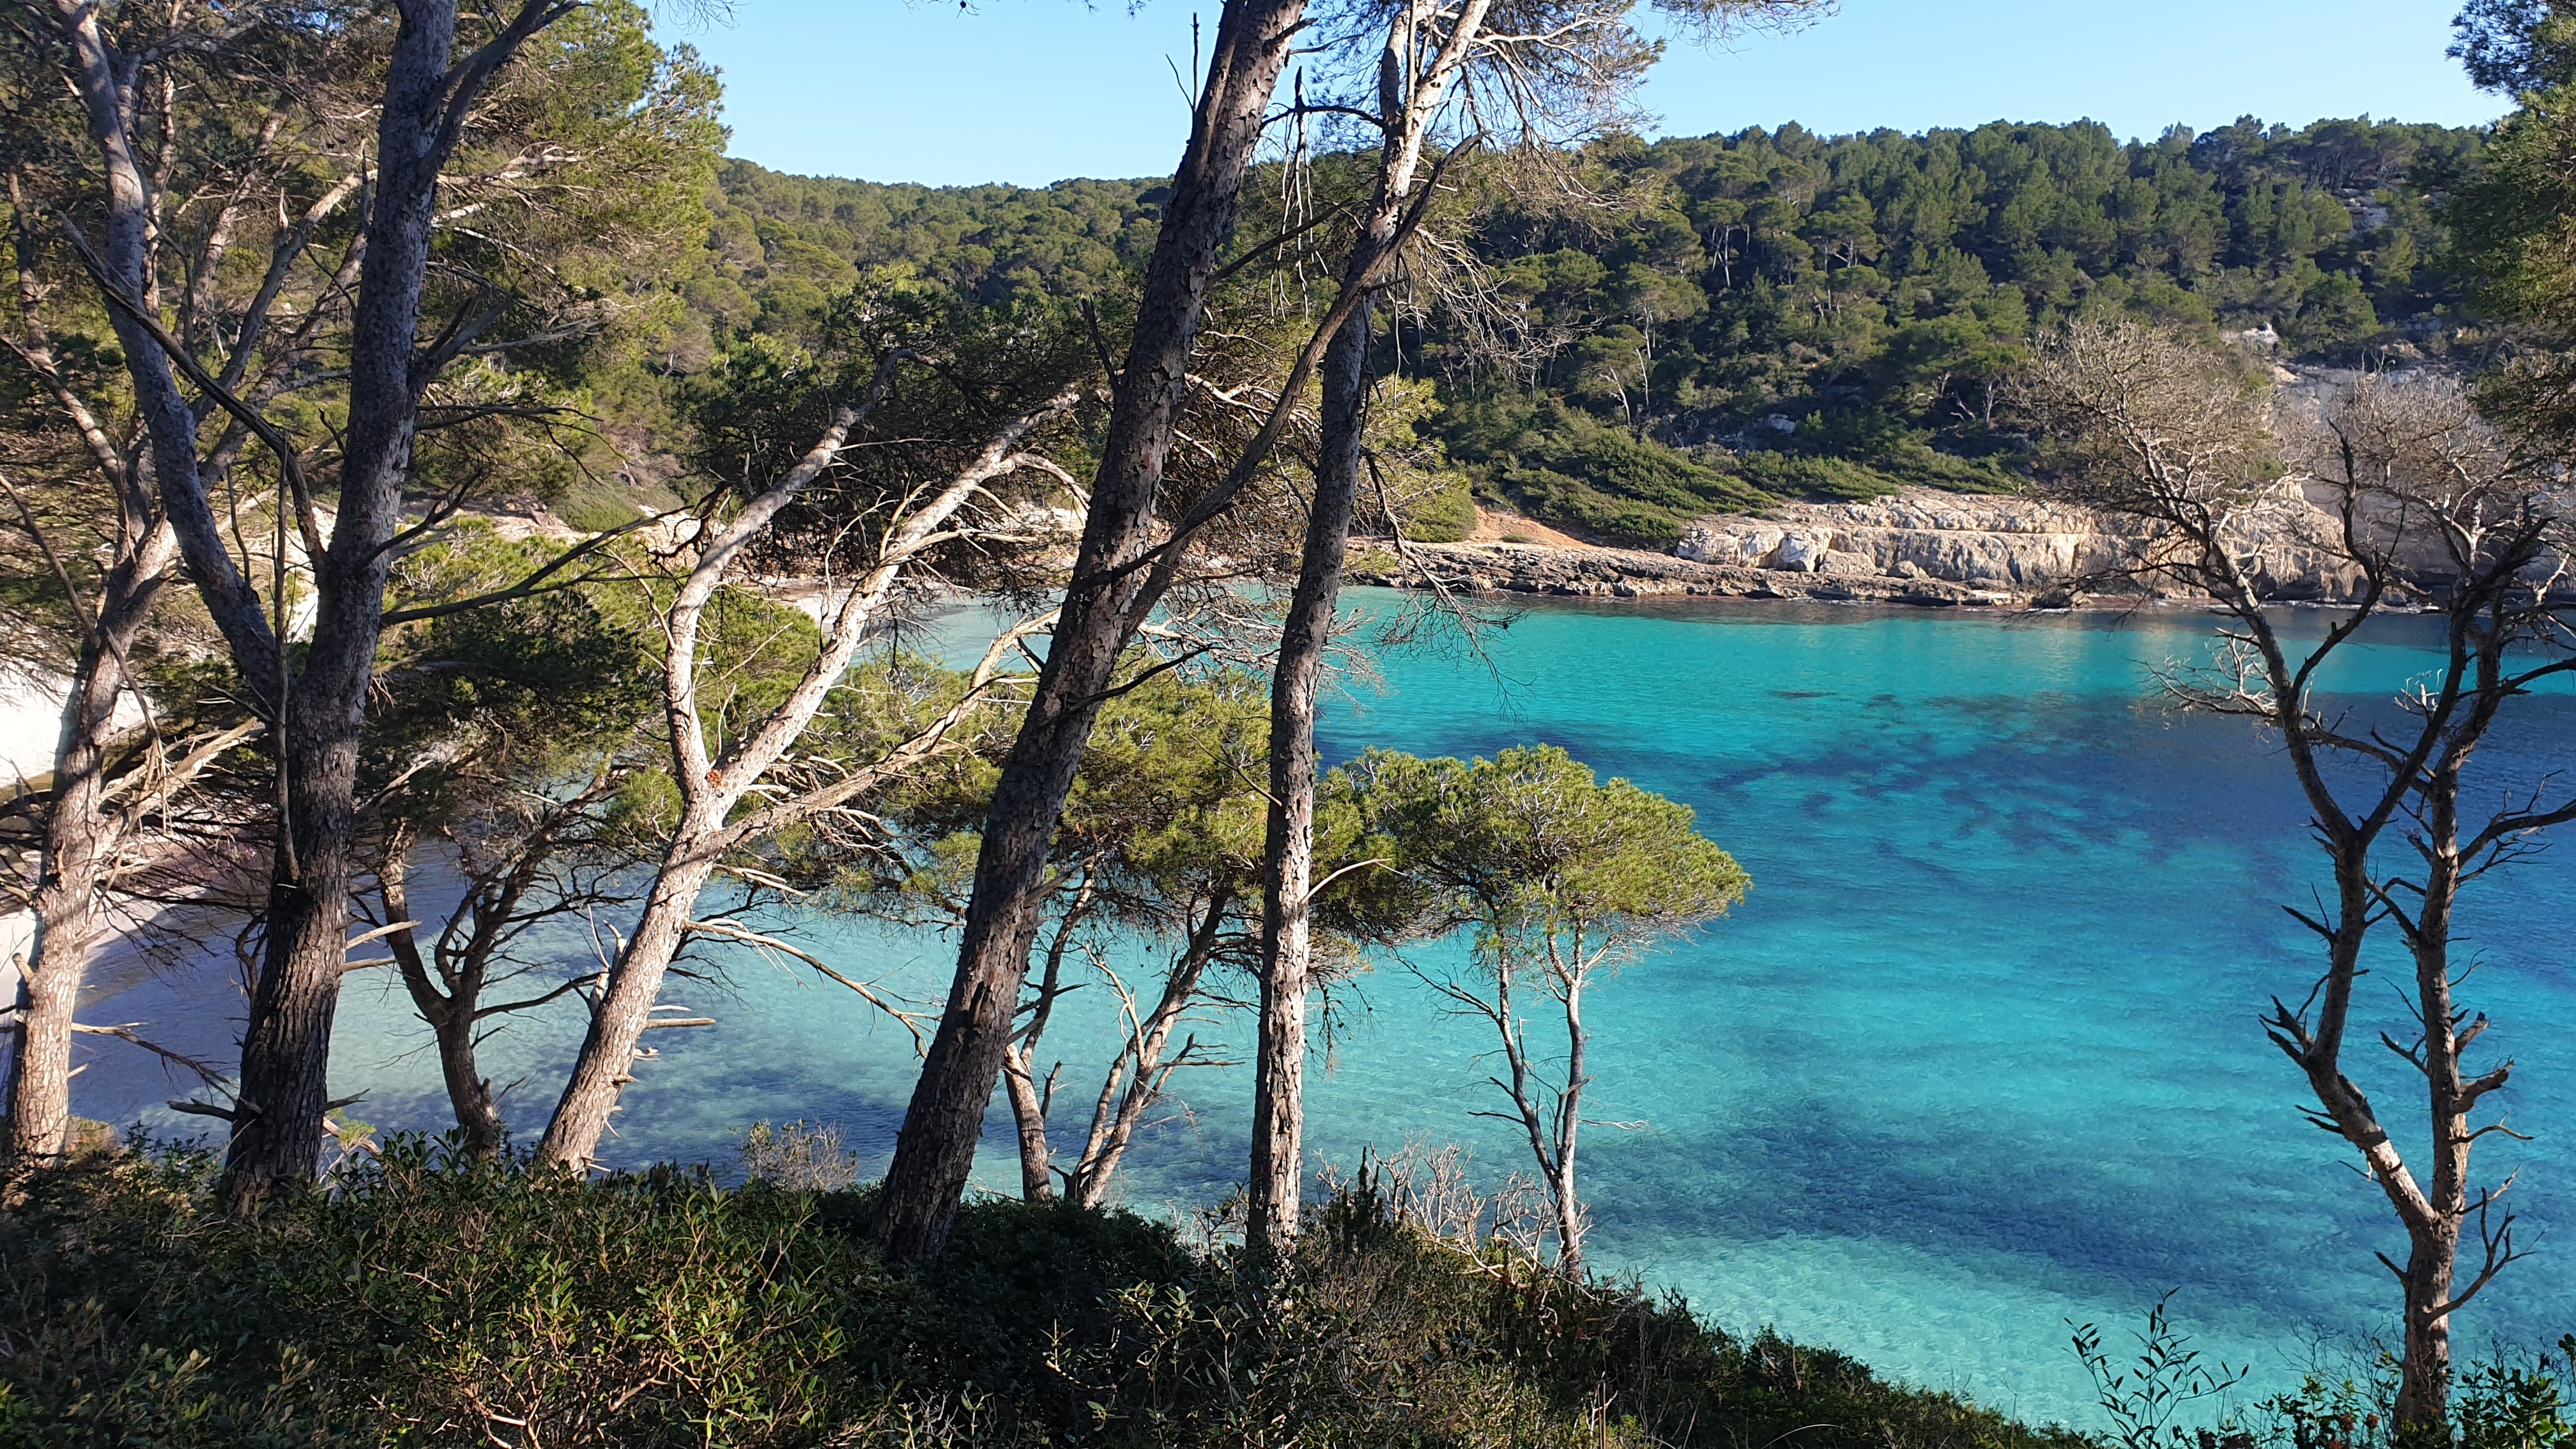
(1031, 91)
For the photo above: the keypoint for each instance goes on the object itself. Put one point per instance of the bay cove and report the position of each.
(1977, 1056)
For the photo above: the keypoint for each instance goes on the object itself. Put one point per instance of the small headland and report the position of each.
(1922, 546)
(1592, 571)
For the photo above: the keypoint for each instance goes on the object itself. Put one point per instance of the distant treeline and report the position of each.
(1766, 314)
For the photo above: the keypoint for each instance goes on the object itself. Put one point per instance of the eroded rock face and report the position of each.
(1920, 547)
(2016, 545)
(1798, 553)
(1629, 574)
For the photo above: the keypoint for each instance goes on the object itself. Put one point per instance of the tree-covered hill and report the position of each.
(779, 246)
(1771, 313)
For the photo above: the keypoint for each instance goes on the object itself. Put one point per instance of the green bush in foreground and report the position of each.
(428, 1301)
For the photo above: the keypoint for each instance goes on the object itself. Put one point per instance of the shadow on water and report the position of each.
(1977, 1055)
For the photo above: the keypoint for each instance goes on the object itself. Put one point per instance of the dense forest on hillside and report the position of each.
(307, 294)
(1767, 314)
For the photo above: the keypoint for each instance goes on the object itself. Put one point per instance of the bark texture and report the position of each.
(79, 845)
(281, 1098)
(84, 833)
(1030, 1098)
(935, 1150)
(1415, 72)
(623, 1010)
(1279, 1072)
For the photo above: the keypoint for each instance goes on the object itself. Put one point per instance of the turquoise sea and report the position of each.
(1977, 1057)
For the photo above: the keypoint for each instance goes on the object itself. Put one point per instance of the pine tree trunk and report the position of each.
(2424, 1368)
(1122, 1105)
(1288, 858)
(620, 1014)
(711, 787)
(935, 1151)
(282, 1095)
(1569, 1120)
(67, 906)
(79, 843)
(2432, 1263)
(40, 1082)
(1028, 1112)
(479, 1128)
(1019, 1061)
(1410, 92)
(286, 1044)
(74, 851)
(284, 1092)
(449, 1006)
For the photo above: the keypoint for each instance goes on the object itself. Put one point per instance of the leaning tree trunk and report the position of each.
(1288, 856)
(79, 837)
(67, 907)
(623, 1010)
(710, 788)
(714, 786)
(935, 1151)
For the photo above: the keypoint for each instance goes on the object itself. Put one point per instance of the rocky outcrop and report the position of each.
(2020, 546)
(1921, 546)
(2014, 544)
(1630, 574)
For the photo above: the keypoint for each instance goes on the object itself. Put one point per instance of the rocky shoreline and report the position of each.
(1920, 547)
(1589, 572)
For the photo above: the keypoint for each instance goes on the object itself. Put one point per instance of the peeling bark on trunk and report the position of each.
(935, 1150)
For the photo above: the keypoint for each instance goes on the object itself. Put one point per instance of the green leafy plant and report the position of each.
(2146, 1400)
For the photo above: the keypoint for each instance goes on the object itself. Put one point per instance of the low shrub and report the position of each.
(1572, 504)
(430, 1300)
(1444, 515)
(1791, 476)
(595, 507)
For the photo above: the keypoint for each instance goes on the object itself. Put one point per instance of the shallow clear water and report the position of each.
(1978, 1056)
